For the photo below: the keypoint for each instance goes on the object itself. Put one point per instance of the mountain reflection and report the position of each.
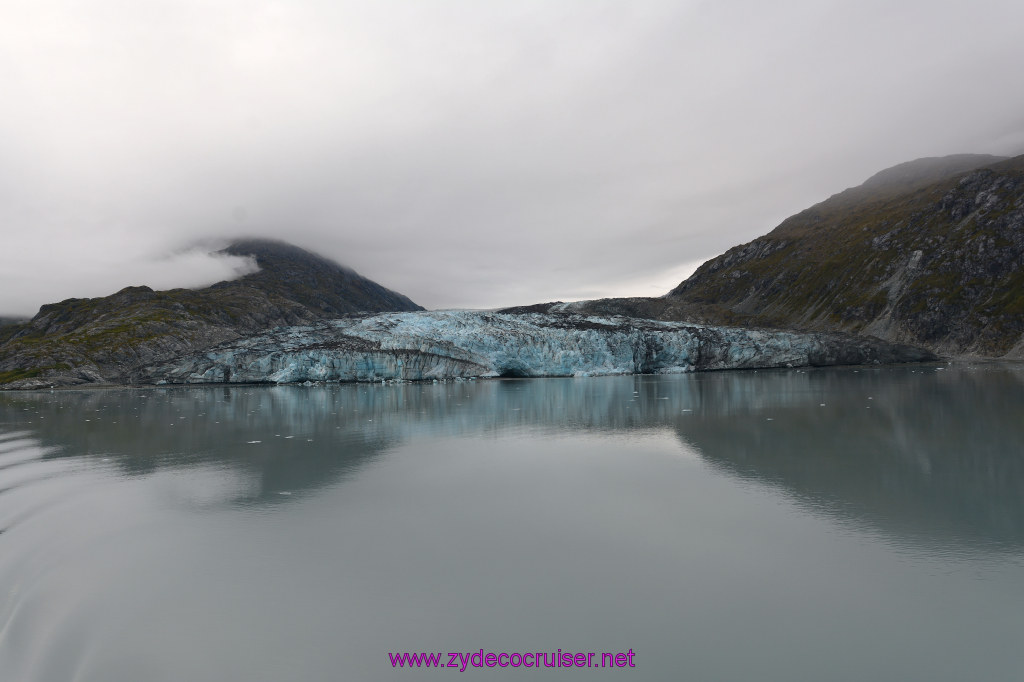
(930, 456)
(927, 454)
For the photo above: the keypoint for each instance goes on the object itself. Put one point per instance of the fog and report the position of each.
(466, 154)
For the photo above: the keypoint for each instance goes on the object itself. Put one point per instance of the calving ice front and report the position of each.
(529, 659)
(417, 346)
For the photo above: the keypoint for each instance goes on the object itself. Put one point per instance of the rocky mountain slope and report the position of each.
(929, 253)
(105, 340)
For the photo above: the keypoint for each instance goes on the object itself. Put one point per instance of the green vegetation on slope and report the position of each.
(933, 263)
(108, 339)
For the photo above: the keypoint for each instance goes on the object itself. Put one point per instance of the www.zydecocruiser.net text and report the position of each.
(462, 660)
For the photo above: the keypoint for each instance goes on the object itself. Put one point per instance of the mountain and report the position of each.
(906, 257)
(106, 340)
(928, 253)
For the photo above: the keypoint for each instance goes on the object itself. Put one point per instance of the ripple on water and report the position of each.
(38, 494)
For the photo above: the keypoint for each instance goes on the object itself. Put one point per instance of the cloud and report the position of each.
(466, 153)
(93, 275)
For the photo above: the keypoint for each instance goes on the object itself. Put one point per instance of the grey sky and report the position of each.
(467, 154)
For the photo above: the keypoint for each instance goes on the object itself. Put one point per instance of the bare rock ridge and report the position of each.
(928, 253)
(105, 340)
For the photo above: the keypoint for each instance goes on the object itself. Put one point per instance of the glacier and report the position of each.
(460, 344)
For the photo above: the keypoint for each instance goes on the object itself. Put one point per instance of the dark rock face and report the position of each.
(319, 284)
(929, 253)
(104, 340)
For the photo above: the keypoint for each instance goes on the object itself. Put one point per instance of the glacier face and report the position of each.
(416, 346)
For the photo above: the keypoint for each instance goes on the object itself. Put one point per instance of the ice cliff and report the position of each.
(415, 346)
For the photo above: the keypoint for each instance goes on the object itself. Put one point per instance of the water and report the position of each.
(835, 524)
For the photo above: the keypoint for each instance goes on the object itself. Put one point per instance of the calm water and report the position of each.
(790, 525)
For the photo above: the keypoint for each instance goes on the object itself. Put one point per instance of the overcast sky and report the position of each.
(467, 154)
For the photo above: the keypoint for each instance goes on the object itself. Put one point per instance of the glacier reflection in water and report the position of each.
(839, 524)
